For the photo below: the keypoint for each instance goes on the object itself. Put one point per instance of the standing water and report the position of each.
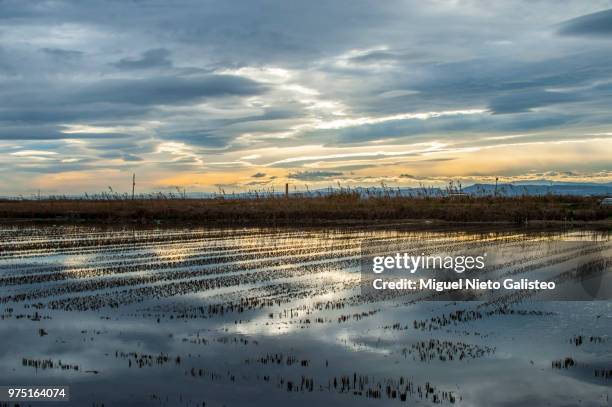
(212, 317)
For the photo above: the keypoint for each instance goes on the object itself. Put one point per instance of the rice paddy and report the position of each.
(190, 316)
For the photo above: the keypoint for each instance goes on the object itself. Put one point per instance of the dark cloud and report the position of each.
(42, 133)
(163, 90)
(6, 67)
(258, 175)
(268, 114)
(153, 58)
(416, 130)
(114, 155)
(198, 137)
(524, 101)
(353, 167)
(32, 114)
(595, 24)
(217, 77)
(314, 175)
(257, 183)
(110, 101)
(62, 53)
(124, 142)
(387, 56)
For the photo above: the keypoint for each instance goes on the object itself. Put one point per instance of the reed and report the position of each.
(310, 208)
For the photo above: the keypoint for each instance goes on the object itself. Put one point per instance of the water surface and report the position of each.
(201, 316)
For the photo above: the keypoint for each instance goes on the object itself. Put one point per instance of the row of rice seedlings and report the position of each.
(221, 243)
(115, 299)
(173, 262)
(132, 274)
(435, 349)
(255, 299)
(115, 239)
(466, 315)
(153, 262)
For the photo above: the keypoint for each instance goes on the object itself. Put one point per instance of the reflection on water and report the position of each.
(193, 317)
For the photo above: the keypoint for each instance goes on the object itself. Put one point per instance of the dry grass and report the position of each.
(346, 206)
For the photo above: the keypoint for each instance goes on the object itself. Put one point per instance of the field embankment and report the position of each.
(300, 210)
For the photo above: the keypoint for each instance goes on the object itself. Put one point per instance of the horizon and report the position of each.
(250, 95)
(295, 189)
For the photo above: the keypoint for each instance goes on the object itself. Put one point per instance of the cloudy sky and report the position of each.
(252, 94)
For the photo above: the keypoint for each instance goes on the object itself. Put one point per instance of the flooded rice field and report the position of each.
(233, 317)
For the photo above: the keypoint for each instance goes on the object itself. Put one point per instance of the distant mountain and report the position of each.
(533, 188)
(543, 188)
(549, 182)
(538, 188)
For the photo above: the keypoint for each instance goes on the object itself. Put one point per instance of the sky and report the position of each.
(248, 95)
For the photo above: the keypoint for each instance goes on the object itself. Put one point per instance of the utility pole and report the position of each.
(133, 184)
(496, 178)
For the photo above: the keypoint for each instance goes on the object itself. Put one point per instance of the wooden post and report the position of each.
(287, 190)
(133, 184)
(496, 178)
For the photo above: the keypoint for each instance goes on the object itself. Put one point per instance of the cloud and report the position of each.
(119, 155)
(62, 53)
(32, 153)
(396, 93)
(163, 90)
(595, 24)
(258, 175)
(314, 175)
(239, 87)
(153, 58)
(524, 101)
(382, 58)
